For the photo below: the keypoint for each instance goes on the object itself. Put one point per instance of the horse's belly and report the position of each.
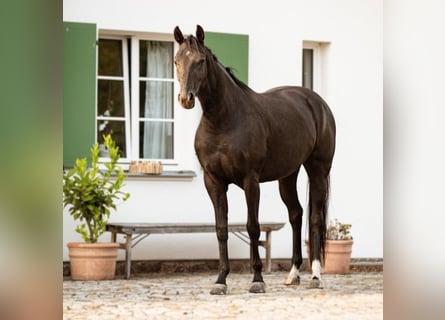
(286, 157)
(229, 169)
(278, 170)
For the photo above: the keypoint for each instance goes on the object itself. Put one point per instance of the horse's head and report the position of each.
(191, 66)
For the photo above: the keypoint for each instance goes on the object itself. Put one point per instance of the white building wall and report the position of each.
(352, 86)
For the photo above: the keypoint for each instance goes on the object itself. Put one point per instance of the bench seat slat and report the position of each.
(131, 228)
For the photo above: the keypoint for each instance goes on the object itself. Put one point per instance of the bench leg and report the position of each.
(268, 266)
(113, 236)
(266, 245)
(128, 256)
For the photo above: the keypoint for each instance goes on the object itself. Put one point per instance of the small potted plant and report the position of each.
(90, 193)
(338, 248)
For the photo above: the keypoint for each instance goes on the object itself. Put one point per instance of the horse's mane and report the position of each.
(240, 84)
(229, 70)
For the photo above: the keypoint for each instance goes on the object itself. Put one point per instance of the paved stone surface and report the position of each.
(186, 296)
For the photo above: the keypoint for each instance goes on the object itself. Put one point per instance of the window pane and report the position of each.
(308, 64)
(156, 99)
(110, 98)
(156, 59)
(117, 131)
(110, 57)
(156, 140)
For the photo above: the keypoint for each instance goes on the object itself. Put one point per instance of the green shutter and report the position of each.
(232, 50)
(79, 90)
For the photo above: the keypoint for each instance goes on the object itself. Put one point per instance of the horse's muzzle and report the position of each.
(187, 101)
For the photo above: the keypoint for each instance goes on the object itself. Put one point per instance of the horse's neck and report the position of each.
(221, 98)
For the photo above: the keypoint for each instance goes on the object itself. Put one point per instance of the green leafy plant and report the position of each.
(338, 231)
(91, 193)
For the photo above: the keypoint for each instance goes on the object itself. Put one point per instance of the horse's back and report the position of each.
(300, 99)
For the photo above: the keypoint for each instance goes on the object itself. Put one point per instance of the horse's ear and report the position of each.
(200, 34)
(178, 35)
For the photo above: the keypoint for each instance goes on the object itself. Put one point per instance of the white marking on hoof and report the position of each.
(293, 277)
(219, 289)
(258, 287)
(316, 269)
(316, 282)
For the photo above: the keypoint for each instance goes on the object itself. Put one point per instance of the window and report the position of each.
(135, 90)
(314, 65)
(113, 111)
(156, 107)
(308, 68)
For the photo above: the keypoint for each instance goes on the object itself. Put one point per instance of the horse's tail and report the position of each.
(322, 216)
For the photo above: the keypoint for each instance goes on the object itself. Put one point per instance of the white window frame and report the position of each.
(132, 108)
(125, 79)
(320, 66)
(316, 61)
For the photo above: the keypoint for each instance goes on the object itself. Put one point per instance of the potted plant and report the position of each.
(338, 248)
(90, 193)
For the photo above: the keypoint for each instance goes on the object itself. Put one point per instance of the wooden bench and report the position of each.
(136, 232)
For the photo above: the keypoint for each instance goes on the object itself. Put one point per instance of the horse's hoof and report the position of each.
(292, 281)
(315, 284)
(219, 289)
(258, 287)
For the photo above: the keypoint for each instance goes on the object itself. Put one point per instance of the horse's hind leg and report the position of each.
(288, 192)
(318, 172)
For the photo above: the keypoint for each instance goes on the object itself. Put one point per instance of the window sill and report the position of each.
(176, 175)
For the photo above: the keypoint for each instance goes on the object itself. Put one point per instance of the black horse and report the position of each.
(245, 138)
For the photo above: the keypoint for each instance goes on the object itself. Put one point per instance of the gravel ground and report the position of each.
(186, 296)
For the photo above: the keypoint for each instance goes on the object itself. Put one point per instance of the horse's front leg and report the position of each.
(252, 193)
(218, 194)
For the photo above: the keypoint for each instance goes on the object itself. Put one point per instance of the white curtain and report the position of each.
(157, 137)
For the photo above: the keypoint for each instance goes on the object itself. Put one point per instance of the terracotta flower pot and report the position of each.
(338, 256)
(92, 261)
